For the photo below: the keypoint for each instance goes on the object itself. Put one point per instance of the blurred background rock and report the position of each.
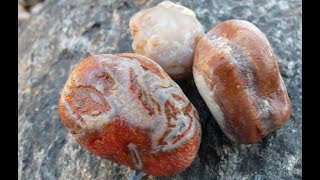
(55, 35)
(27, 7)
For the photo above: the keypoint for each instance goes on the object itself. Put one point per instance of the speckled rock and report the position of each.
(64, 32)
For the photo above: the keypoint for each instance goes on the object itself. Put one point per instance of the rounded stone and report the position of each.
(125, 108)
(237, 74)
(167, 33)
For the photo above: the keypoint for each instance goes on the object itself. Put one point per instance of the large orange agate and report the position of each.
(125, 108)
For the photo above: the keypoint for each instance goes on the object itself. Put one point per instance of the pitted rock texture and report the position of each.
(64, 32)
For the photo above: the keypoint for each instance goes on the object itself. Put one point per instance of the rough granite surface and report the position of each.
(64, 32)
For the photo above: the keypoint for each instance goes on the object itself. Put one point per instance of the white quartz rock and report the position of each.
(168, 34)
